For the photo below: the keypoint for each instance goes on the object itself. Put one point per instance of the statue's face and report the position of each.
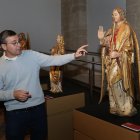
(116, 16)
(22, 36)
(58, 39)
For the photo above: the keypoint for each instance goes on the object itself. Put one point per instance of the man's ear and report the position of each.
(3, 46)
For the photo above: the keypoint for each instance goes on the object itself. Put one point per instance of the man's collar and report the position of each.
(7, 58)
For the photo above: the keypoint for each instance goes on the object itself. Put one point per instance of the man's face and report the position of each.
(12, 47)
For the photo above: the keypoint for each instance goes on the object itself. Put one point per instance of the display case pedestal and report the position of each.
(89, 127)
(60, 115)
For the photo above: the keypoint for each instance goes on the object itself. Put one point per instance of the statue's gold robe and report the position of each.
(119, 71)
(56, 71)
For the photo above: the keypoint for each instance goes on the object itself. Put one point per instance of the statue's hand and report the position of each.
(114, 54)
(101, 33)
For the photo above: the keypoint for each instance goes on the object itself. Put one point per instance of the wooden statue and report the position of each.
(120, 64)
(24, 41)
(56, 71)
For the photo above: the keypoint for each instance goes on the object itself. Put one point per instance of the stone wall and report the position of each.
(74, 30)
(74, 23)
(133, 15)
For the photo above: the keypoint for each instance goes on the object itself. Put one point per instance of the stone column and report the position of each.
(133, 15)
(74, 23)
(74, 29)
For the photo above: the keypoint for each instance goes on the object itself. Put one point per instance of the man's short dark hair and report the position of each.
(4, 34)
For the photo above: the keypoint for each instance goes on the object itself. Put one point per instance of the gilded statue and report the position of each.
(24, 41)
(56, 71)
(120, 52)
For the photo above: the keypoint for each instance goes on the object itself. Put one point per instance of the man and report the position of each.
(20, 86)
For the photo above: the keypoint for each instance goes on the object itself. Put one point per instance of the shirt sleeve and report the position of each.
(5, 95)
(51, 60)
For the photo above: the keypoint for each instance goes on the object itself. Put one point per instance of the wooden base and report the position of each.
(60, 115)
(87, 127)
